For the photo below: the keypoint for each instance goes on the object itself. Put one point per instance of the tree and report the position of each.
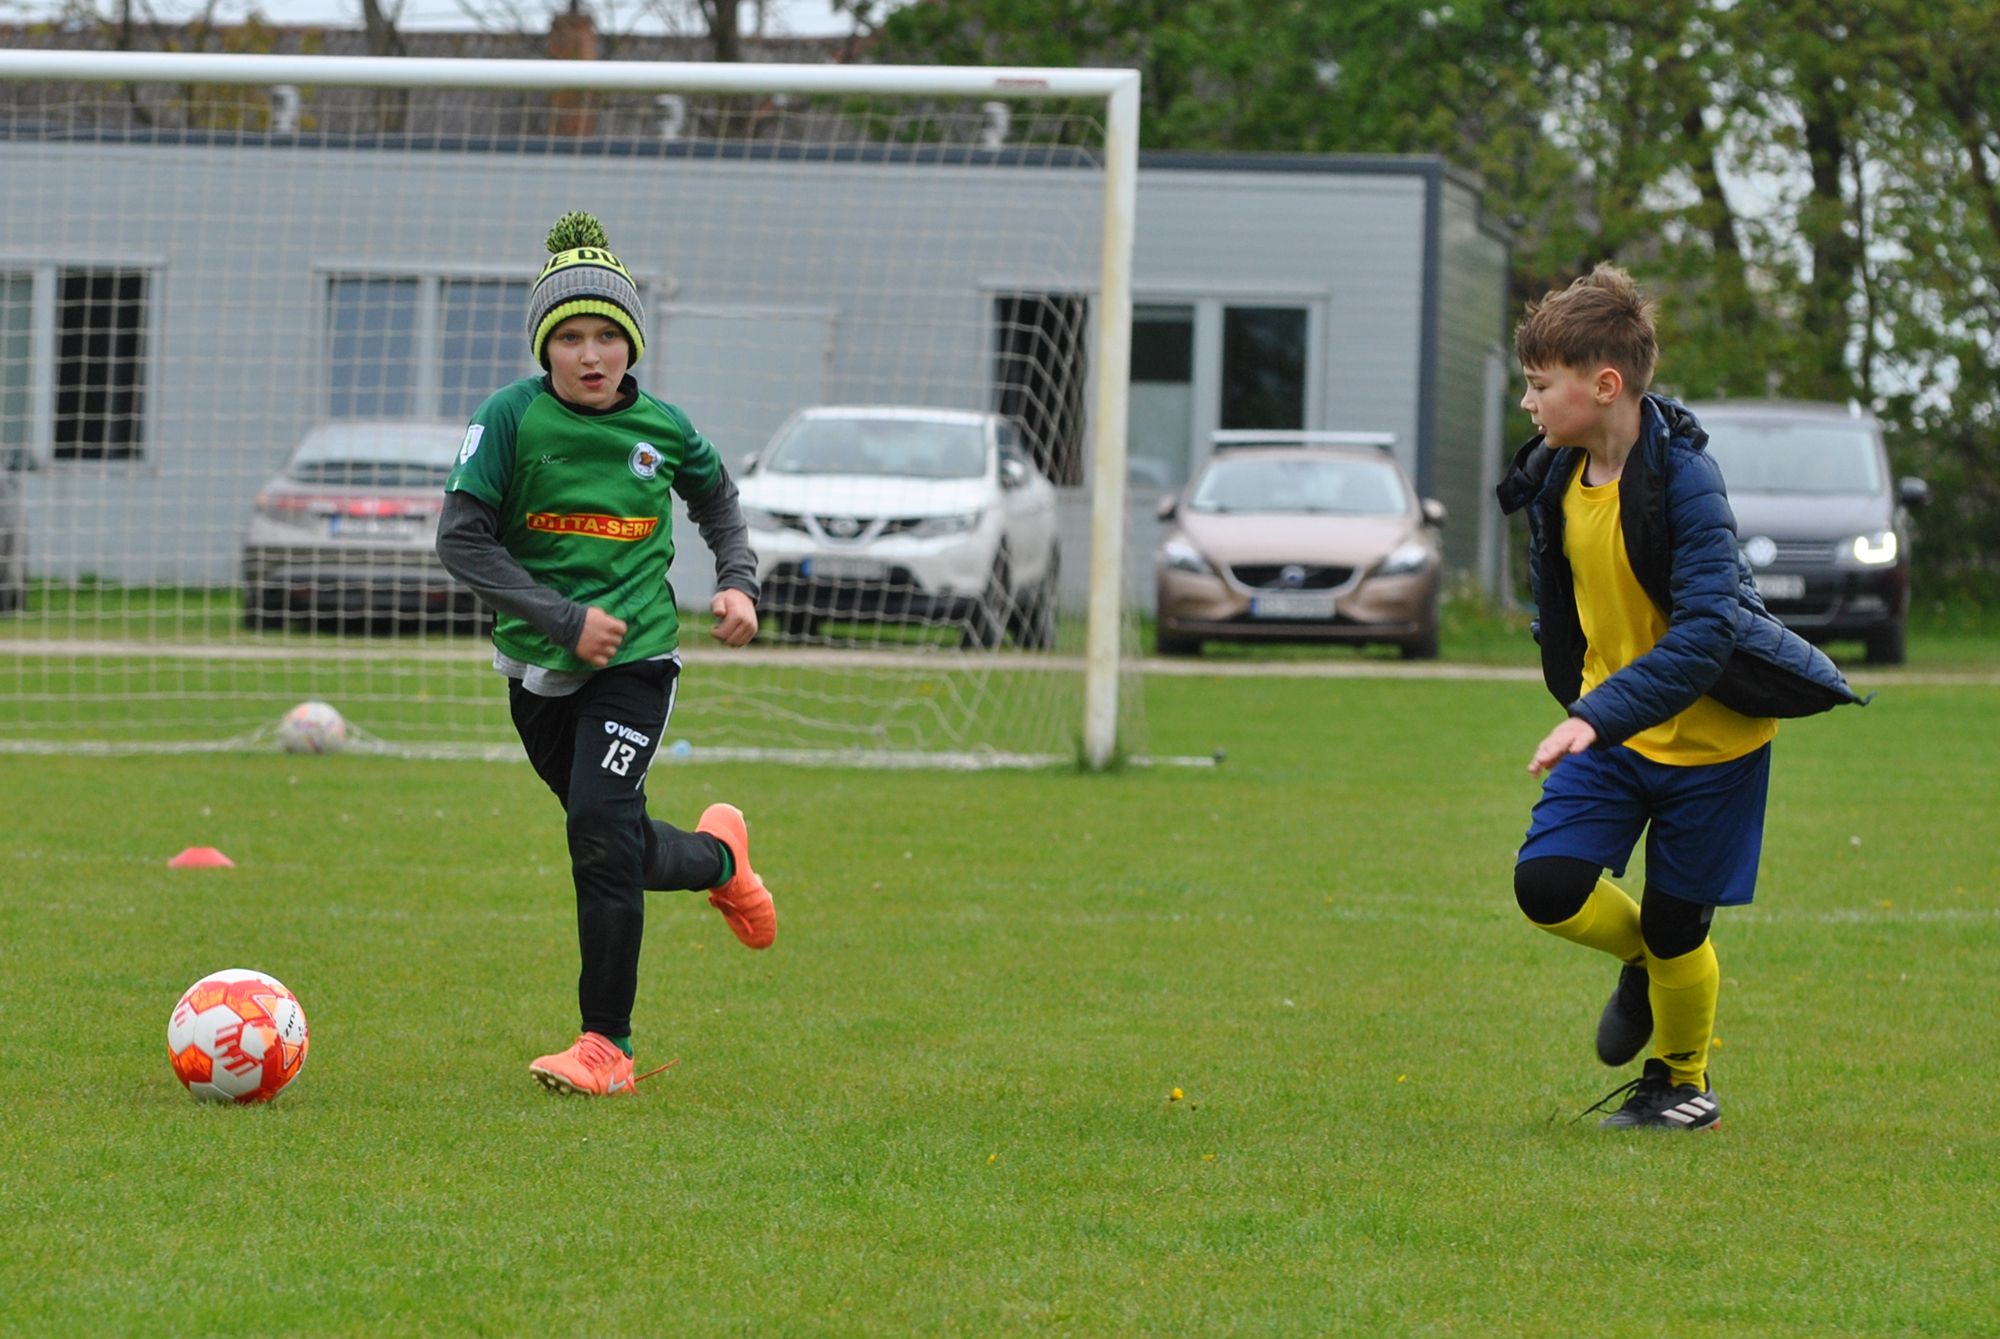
(1812, 185)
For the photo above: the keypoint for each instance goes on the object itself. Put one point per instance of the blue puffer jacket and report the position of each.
(1681, 538)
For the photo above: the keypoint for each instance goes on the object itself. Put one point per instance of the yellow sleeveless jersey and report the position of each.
(1621, 623)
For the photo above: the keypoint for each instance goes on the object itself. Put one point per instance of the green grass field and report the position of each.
(940, 1104)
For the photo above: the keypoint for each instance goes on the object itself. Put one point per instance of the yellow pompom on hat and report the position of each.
(583, 278)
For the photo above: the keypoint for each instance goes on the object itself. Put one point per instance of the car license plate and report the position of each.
(1781, 585)
(371, 527)
(844, 569)
(1292, 604)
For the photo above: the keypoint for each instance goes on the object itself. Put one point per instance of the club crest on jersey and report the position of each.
(645, 460)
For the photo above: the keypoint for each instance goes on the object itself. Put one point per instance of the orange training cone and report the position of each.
(201, 857)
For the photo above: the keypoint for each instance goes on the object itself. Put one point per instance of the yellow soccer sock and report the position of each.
(1609, 923)
(1683, 994)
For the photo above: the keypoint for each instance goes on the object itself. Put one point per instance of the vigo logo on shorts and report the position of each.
(626, 732)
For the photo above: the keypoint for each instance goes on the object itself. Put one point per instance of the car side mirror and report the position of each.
(750, 463)
(1913, 491)
(1012, 472)
(1167, 506)
(1434, 513)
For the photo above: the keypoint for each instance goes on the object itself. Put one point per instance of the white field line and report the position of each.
(1866, 916)
(942, 658)
(481, 653)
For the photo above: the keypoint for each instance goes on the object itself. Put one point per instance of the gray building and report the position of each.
(178, 307)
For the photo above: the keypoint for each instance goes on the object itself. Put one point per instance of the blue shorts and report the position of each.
(1704, 825)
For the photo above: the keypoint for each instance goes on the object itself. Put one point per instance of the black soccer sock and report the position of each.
(677, 859)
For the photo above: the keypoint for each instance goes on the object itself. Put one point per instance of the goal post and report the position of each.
(205, 260)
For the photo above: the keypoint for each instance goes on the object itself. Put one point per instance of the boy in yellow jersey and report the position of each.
(559, 515)
(1672, 675)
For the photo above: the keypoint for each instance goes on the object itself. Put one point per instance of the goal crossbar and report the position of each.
(1118, 90)
(625, 76)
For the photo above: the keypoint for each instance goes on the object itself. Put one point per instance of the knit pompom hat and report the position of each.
(583, 278)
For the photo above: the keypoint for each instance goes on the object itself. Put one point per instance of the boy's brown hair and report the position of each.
(1600, 320)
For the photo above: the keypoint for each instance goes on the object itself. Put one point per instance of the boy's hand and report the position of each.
(601, 637)
(1574, 735)
(735, 618)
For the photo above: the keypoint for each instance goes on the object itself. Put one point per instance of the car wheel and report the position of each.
(432, 624)
(13, 572)
(476, 621)
(259, 614)
(986, 626)
(1040, 632)
(1889, 645)
(1421, 647)
(1034, 627)
(796, 625)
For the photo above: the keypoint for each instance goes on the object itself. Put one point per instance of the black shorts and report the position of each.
(605, 734)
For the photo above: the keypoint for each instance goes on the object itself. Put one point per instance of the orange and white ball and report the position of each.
(312, 727)
(237, 1036)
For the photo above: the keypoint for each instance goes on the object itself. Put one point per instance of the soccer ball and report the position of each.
(237, 1036)
(312, 727)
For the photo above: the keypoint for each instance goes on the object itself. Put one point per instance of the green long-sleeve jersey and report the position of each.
(583, 505)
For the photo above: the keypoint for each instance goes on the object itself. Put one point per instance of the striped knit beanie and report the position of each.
(583, 278)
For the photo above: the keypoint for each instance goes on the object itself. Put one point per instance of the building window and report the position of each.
(100, 365)
(484, 343)
(73, 363)
(1162, 401)
(417, 346)
(1039, 372)
(371, 345)
(17, 392)
(1263, 367)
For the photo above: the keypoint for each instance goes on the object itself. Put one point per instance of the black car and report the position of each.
(1823, 523)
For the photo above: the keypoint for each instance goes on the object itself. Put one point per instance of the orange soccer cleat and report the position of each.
(593, 1066)
(744, 901)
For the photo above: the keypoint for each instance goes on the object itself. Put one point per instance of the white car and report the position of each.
(866, 514)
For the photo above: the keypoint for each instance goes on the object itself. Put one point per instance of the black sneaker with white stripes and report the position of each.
(1626, 1024)
(1653, 1101)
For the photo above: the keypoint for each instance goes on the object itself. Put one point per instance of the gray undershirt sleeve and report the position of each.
(469, 546)
(719, 518)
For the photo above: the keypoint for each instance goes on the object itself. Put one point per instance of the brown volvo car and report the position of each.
(1299, 537)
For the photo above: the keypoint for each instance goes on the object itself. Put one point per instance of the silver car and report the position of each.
(346, 533)
(13, 545)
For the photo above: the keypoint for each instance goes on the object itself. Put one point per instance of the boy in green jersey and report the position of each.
(558, 515)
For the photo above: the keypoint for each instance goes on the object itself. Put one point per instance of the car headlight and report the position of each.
(1182, 556)
(1404, 559)
(759, 519)
(930, 527)
(1876, 549)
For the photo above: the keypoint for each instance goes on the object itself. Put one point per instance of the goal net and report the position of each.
(248, 303)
